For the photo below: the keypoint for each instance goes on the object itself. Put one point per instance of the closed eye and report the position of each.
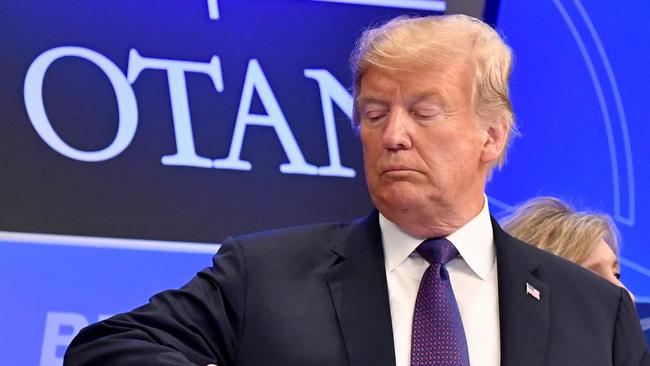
(375, 116)
(426, 115)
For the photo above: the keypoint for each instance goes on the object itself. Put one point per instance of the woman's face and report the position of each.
(603, 262)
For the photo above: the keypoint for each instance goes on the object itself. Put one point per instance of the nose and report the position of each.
(396, 134)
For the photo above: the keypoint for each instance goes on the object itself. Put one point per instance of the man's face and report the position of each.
(421, 139)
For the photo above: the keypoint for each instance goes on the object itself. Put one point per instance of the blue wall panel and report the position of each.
(578, 89)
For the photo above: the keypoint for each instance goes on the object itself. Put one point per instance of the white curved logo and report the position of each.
(618, 138)
(432, 5)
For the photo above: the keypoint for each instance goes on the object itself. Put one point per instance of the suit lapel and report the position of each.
(524, 319)
(357, 282)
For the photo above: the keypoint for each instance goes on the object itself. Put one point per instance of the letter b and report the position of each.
(53, 339)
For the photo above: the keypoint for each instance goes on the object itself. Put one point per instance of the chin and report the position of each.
(398, 200)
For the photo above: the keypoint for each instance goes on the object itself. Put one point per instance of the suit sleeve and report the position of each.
(630, 347)
(198, 324)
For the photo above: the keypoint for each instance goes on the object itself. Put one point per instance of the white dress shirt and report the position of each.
(473, 278)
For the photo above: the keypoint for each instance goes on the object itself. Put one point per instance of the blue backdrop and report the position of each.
(577, 91)
(137, 135)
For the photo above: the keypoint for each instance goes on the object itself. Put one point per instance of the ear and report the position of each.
(495, 139)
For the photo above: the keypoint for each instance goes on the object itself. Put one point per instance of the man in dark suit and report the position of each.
(427, 279)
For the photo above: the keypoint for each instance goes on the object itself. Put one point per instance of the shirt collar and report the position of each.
(474, 241)
(398, 245)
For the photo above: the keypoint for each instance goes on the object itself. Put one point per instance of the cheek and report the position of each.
(454, 157)
(371, 146)
(365, 136)
(369, 157)
(452, 142)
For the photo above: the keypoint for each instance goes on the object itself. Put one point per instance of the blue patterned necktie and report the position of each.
(438, 338)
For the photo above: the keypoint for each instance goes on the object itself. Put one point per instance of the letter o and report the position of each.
(126, 103)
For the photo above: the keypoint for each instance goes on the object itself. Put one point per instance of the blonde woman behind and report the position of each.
(589, 239)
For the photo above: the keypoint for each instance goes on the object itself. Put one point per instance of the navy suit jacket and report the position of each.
(317, 295)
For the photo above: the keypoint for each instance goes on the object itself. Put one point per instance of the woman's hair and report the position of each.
(552, 225)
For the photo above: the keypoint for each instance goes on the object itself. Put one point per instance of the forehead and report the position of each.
(443, 81)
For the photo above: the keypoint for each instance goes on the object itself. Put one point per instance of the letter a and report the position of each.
(256, 81)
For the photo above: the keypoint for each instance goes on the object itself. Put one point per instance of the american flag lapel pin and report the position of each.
(532, 291)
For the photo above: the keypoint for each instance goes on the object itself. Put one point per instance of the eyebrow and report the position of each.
(411, 100)
(426, 95)
(369, 100)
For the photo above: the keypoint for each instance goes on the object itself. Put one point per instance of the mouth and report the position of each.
(392, 170)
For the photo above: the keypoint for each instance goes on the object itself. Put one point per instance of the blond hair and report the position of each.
(416, 44)
(552, 225)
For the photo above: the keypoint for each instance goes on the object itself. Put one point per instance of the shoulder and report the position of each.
(293, 238)
(293, 248)
(568, 281)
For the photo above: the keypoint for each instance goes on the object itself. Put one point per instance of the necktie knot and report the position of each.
(437, 250)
